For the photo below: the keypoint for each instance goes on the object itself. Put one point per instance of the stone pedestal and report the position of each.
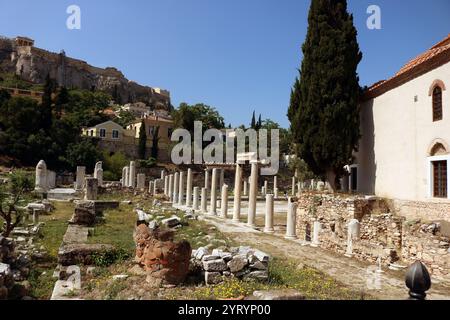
(91, 189)
(237, 194)
(195, 204)
(269, 214)
(98, 173)
(189, 189)
(316, 231)
(124, 176)
(291, 220)
(181, 189)
(253, 195)
(204, 203)
(150, 187)
(80, 176)
(353, 233)
(141, 182)
(224, 202)
(213, 207)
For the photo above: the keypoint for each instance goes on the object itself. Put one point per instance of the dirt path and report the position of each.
(350, 272)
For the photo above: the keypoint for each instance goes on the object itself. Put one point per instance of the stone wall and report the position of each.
(383, 234)
(426, 210)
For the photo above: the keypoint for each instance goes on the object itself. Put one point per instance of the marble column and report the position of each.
(189, 189)
(245, 187)
(155, 186)
(299, 188)
(195, 205)
(166, 185)
(275, 185)
(206, 179)
(176, 186)
(237, 194)
(204, 203)
(316, 230)
(293, 186)
(91, 189)
(213, 207)
(291, 220)
(132, 177)
(275, 193)
(224, 205)
(269, 214)
(181, 189)
(170, 188)
(263, 191)
(127, 177)
(98, 172)
(266, 188)
(81, 173)
(253, 195)
(222, 178)
(163, 174)
(41, 177)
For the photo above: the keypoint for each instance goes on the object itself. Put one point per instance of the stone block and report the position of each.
(215, 265)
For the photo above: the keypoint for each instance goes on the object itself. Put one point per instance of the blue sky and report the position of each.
(235, 55)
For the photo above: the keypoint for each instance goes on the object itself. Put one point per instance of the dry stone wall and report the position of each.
(383, 235)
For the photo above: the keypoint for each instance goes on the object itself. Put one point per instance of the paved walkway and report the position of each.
(351, 272)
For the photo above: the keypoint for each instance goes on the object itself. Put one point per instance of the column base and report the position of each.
(349, 255)
(269, 230)
(291, 237)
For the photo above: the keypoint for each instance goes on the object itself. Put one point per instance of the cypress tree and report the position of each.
(142, 141)
(61, 101)
(46, 104)
(253, 123)
(155, 142)
(324, 111)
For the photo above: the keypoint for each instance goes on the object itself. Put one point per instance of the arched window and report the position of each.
(437, 103)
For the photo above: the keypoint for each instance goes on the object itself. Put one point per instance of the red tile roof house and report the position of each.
(404, 152)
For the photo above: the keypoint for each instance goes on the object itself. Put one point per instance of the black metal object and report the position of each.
(418, 281)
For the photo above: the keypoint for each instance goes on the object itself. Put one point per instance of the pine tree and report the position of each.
(142, 141)
(253, 123)
(46, 104)
(324, 111)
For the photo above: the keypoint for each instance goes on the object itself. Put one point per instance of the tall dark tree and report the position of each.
(324, 111)
(259, 124)
(142, 140)
(155, 142)
(46, 104)
(253, 123)
(61, 101)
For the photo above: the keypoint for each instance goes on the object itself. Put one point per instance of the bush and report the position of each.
(113, 165)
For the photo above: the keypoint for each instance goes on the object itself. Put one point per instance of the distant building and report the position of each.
(114, 138)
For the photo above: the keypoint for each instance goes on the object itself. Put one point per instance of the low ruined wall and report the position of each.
(427, 210)
(383, 234)
(425, 242)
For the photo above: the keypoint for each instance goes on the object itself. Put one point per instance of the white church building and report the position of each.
(404, 152)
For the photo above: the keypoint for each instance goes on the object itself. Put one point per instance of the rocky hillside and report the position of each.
(21, 57)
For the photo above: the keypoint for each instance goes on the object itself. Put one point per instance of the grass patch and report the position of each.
(42, 282)
(117, 228)
(52, 232)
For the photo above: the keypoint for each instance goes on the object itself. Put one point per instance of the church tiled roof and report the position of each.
(436, 56)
